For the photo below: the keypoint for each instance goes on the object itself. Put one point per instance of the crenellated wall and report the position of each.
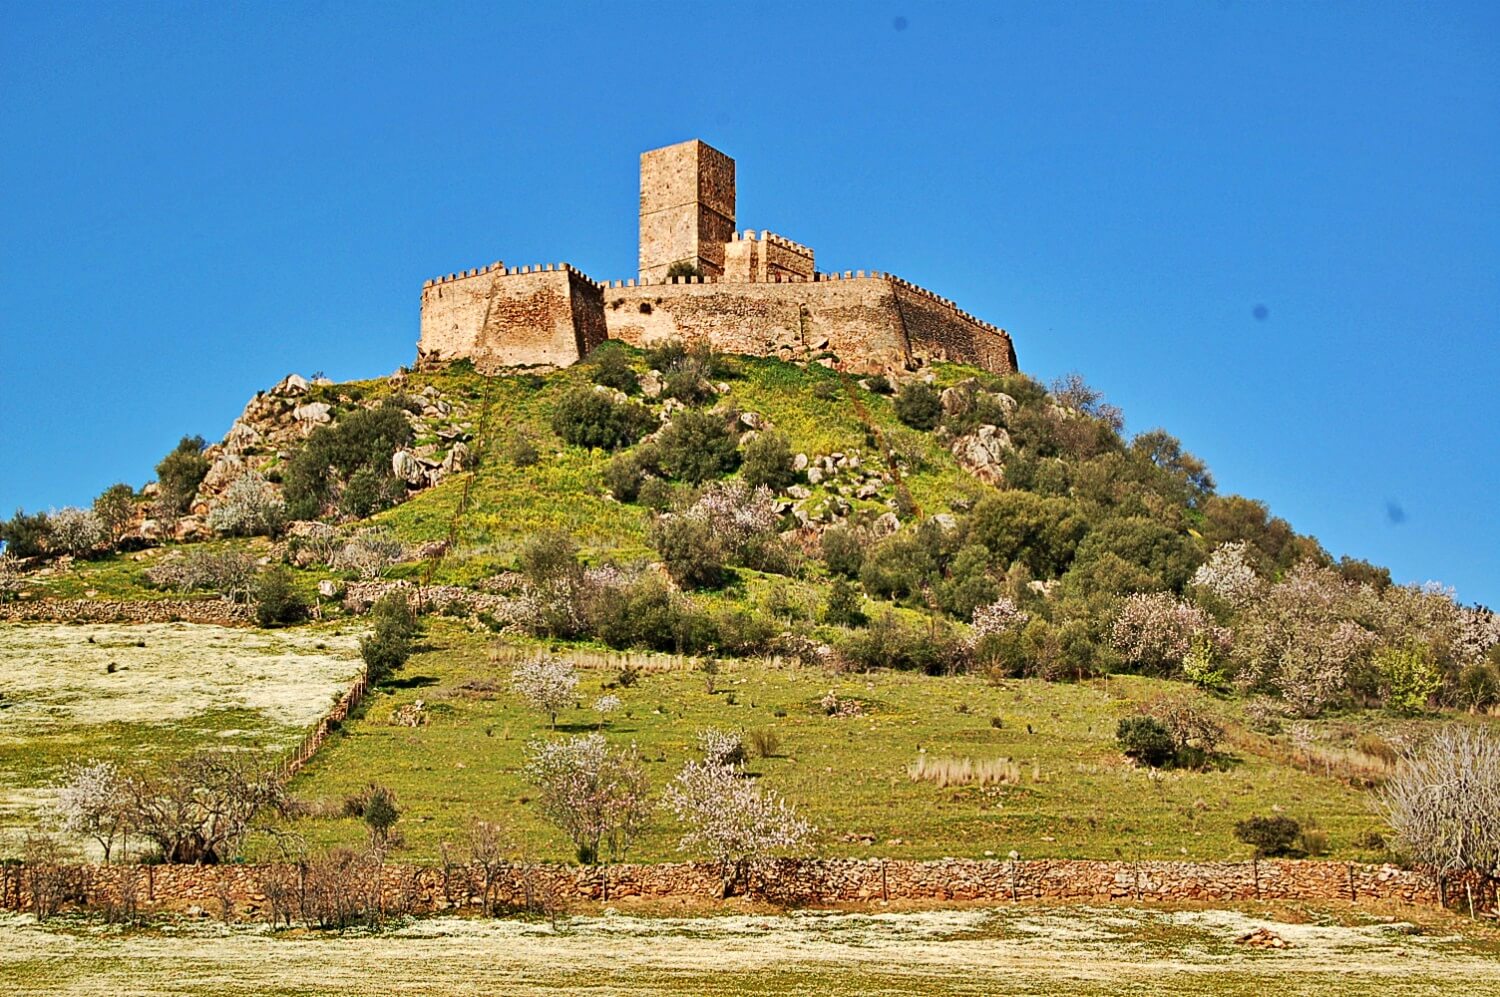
(517, 317)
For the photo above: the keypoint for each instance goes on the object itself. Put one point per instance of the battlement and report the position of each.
(755, 292)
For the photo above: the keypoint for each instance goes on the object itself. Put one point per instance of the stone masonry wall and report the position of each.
(871, 323)
(515, 317)
(794, 882)
(219, 611)
(687, 208)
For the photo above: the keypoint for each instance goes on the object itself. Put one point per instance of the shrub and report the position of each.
(696, 446)
(765, 743)
(179, 474)
(75, 531)
(693, 553)
(666, 355)
(768, 462)
(969, 585)
(656, 494)
(333, 457)
(1146, 740)
(827, 390)
(26, 535)
(611, 368)
(627, 472)
(1444, 802)
(683, 268)
(589, 417)
(249, 507)
(230, 573)
(879, 384)
(380, 812)
(520, 449)
(845, 606)
(368, 553)
(276, 599)
(843, 550)
(1040, 532)
(1270, 836)
(918, 405)
(1192, 730)
(688, 385)
(937, 649)
(722, 747)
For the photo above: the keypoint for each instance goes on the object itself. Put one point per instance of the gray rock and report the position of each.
(313, 412)
(799, 491)
(982, 453)
(651, 384)
(885, 525)
(799, 462)
(292, 384)
(406, 466)
(814, 475)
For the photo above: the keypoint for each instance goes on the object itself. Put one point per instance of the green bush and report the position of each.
(611, 368)
(696, 446)
(520, 449)
(1146, 740)
(845, 607)
(666, 355)
(687, 384)
(362, 441)
(879, 384)
(843, 550)
(115, 508)
(694, 555)
(1271, 836)
(768, 461)
(180, 473)
(935, 649)
(827, 390)
(656, 494)
(585, 417)
(969, 583)
(1039, 532)
(276, 599)
(389, 645)
(624, 475)
(683, 268)
(25, 535)
(918, 405)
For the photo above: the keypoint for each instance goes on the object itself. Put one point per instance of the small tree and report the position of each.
(25, 534)
(690, 548)
(115, 508)
(1444, 802)
(389, 645)
(594, 793)
(731, 819)
(845, 606)
(199, 810)
(380, 813)
(722, 747)
(590, 417)
(918, 405)
(368, 553)
(612, 368)
(179, 474)
(91, 801)
(606, 705)
(276, 599)
(547, 684)
(696, 446)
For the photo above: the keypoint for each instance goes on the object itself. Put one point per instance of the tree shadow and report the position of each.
(410, 682)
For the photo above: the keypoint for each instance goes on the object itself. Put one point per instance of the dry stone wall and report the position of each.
(219, 611)
(794, 882)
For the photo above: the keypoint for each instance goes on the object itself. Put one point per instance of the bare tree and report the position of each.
(729, 817)
(1444, 803)
(200, 809)
(489, 851)
(593, 792)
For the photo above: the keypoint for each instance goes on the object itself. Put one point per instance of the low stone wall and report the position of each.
(793, 882)
(219, 611)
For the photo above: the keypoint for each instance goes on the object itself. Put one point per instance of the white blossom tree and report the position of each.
(1444, 802)
(76, 531)
(1000, 616)
(1157, 631)
(737, 824)
(249, 507)
(368, 553)
(594, 793)
(605, 705)
(91, 801)
(547, 684)
(1227, 575)
(722, 747)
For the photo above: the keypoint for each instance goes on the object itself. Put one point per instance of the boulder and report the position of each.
(221, 473)
(406, 466)
(313, 413)
(457, 459)
(651, 384)
(291, 386)
(799, 462)
(982, 453)
(814, 475)
(885, 525)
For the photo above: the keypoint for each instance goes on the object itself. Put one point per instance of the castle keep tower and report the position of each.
(687, 208)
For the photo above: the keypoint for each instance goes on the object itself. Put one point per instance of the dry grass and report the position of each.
(947, 772)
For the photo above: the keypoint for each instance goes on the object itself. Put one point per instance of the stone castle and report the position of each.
(753, 293)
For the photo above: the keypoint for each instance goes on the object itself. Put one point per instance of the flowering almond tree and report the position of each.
(594, 793)
(547, 684)
(731, 819)
(90, 801)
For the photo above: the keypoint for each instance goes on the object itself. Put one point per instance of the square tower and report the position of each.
(687, 208)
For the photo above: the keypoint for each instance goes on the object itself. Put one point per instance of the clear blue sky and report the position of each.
(1271, 228)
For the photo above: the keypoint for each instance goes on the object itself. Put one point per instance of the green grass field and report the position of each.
(1076, 797)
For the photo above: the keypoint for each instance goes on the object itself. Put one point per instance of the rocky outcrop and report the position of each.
(982, 453)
